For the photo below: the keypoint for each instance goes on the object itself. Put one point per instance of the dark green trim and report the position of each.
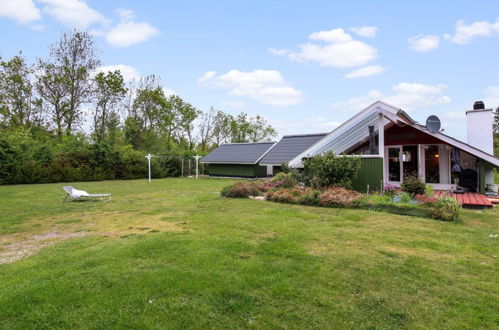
(237, 170)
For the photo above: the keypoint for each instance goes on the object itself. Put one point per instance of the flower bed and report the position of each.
(423, 205)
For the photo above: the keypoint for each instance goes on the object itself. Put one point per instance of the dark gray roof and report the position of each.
(289, 147)
(238, 153)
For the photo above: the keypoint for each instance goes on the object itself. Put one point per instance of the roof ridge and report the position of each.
(239, 143)
(300, 135)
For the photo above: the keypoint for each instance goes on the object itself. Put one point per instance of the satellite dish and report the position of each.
(433, 124)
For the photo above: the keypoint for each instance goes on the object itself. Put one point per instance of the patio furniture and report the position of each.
(75, 194)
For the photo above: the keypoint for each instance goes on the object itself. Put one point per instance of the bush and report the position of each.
(287, 180)
(282, 196)
(308, 196)
(269, 185)
(413, 186)
(446, 208)
(330, 170)
(405, 198)
(241, 190)
(297, 195)
(339, 196)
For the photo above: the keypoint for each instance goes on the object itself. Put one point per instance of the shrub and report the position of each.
(426, 200)
(282, 196)
(446, 208)
(330, 170)
(339, 196)
(287, 180)
(308, 196)
(269, 185)
(241, 190)
(405, 198)
(297, 195)
(413, 186)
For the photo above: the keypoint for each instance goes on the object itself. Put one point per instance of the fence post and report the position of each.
(182, 168)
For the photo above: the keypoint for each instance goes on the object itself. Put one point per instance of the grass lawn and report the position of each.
(173, 254)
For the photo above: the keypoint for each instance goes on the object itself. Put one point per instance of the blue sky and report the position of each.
(305, 65)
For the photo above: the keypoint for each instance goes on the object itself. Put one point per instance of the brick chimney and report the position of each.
(480, 127)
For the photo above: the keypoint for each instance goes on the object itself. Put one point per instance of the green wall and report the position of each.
(370, 173)
(237, 170)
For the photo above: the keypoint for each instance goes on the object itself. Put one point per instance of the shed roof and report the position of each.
(289, 147)
(238, 153)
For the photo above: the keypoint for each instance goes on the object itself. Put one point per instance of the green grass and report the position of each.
(173, 254)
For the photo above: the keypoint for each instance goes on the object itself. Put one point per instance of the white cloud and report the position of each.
(465, 33)
(23, 11)
(333, 36)
(233, 104)
(207, 76)
(265, 86)
(128, 32)
(334, 48)
(491, 97)
(408, 96)
(416, 88)
(279, 52)
(365, 31)
(366, 71)
(424, 43)
(73, 12)
(128, 72)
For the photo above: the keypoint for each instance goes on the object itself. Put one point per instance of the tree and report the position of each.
(206, 129)
(222, 127)
(150, 105)
(251, 129)
(109, 92)
(51, 86)
(184, 115)
(72, 59)
(261, 130)
(18, 104)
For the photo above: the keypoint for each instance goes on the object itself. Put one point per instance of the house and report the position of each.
(404, 147)
(288, 148)
(238, 159)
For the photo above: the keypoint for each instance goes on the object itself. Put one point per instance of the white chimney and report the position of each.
(480, 127)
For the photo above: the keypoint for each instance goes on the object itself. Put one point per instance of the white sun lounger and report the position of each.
(76, 194)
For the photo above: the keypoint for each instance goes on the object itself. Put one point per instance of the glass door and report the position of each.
(394, 168)
(410, 161)
(432, 164)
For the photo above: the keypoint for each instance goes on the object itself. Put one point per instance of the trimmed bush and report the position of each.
(241, 190)
(413, 186)
(297, 195)
(282, 196)
(339, 196)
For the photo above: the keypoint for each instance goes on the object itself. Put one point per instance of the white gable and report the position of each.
(353, 131)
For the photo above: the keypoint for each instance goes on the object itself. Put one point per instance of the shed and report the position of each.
(238, 159)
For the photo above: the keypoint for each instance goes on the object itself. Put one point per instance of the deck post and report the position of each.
(381, 142)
